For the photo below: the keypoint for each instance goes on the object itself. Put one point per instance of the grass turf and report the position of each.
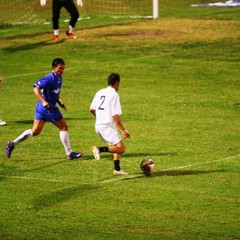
(180, 100)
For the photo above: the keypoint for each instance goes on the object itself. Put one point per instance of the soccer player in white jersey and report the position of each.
(47, 91)
(106, 108)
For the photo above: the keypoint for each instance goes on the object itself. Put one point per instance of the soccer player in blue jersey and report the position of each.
(47, 91)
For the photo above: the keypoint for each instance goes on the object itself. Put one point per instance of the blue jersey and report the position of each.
(50, 86)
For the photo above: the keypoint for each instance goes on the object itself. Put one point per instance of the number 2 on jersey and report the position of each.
(103, 99)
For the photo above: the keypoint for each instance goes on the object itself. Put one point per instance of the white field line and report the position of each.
(32, 73)
(23, 75)
(203, 163)
(118, 178)
(114, 179)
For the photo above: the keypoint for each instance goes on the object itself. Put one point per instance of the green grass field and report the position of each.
(180, 99)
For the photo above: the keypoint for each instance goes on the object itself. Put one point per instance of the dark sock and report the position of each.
(117, 165)
(103, 149)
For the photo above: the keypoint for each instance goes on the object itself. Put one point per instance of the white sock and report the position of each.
(24, 136)
(70, 29)
(65, 141)
(55, 31)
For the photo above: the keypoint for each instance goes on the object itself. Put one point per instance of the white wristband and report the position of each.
(80, 3)
(42, 2)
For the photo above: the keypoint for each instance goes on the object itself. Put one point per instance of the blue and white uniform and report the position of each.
(50, 86)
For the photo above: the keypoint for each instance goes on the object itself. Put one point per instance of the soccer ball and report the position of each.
(147, 166)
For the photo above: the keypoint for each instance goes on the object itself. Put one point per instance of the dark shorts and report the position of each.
(49, 115)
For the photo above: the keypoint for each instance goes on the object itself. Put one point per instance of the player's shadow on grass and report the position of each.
(26, 35)
(172, 173)
(30, 46)
(148, 155)
(109, 157)
(15, 173)
(31, 121)
(20, 122)
(62, 195)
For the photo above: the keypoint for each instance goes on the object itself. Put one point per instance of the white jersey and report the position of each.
(106, 103)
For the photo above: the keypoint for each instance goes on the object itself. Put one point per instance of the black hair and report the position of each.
(113, 78)
(57, 61)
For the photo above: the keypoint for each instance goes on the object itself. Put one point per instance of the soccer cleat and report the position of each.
(9, 148)
(55, 37)
(70, 35)
(96, 152)
(120, 172)
(74, 155)
(2, 123)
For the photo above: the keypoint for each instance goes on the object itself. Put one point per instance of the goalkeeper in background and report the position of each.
(71, 8)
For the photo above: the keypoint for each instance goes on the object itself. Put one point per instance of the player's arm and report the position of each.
(61, 104)
(93, 112)
(93, 107)
(118, 121)
(1, 78)
(38, 94)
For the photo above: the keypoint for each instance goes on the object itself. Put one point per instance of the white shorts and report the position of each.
(109, 134)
